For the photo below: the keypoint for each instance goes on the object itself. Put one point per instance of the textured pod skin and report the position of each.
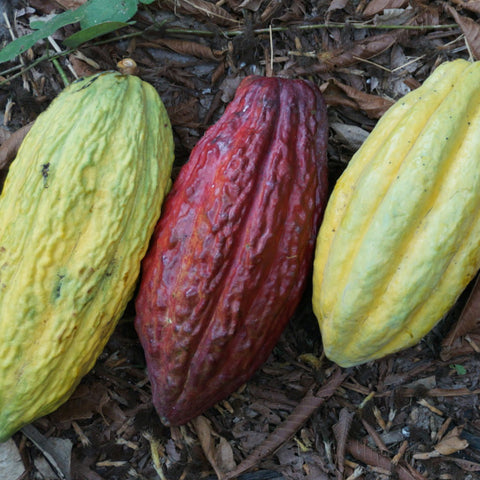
(76, 214)
(401, 233)
(234, 246)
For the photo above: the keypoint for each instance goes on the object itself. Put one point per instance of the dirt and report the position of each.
(410, 416)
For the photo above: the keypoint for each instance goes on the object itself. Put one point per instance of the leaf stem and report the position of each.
(25, 68)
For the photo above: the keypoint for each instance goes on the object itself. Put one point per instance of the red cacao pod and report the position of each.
(233, 249)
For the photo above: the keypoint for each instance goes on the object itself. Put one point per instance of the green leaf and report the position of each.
(94, 13)
(87, 34)
(22, 44)
(147, 2)
(460, 369)
(59, 21)
(100, 11)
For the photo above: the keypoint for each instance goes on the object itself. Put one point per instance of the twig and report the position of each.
(315, 26)
(67, 62)
(22, 61)
(369, 456)
(47, 56)
(227, 33)
(54, 457)
(302, 412)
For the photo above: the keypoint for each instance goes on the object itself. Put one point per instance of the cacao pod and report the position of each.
(234, 246)
(400, 238)
(77, 211)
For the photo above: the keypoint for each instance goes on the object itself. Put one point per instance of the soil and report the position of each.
(413, 415)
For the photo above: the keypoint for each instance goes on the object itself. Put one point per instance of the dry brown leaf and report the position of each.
(252, 5)
(70, 4)
(337, 5)
(82, 405)
(178, 75)
(56, 450)
(369, 456)
(341, 430)
(202, 10)
(292, 424)
(224, 455)
(205, 434)
(83, 471)
(470, 29)
(439, 392)
(354, 53)
(378, 6)
(472, 5)
(337, 93)
(270, 11)
(82, 69)
(451, 442)
(9, 148)
(468, 323)
(186, 47)
(184, 112)
(375, 436)
(467, 465)
(44, 6)
(461, 346)
(427, 14)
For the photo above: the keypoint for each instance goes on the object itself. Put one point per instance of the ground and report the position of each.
(413, 415)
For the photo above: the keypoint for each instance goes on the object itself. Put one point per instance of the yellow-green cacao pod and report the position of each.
(400, 238)
(76, 214)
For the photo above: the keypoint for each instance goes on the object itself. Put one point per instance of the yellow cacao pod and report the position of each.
(76, 214)
(400, 238)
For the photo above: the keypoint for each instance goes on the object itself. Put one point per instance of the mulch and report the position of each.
(413, 415)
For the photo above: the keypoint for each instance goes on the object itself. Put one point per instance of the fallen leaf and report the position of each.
(350, 135)
(377, 6)
(224, 455)
(205, 434)
(44, 6)
(467, 465)
(186, 47)
(337, 5)
(252, 5)
(57, 451)
(472, 5)
(395, 16)
(354, 53)
(471, 30)
(70, 4)
(369, 456)
(469, 321)
(63, 449)
(451, 442)
(11, 465)
(82, 68)
(309, 403)
(341, 430)
(9, 148)
(376, 437)
(203, 10)
(337, 93)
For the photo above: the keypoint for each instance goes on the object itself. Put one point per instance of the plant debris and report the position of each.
(413, 415)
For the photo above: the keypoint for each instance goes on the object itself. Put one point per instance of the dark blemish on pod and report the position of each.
(45, 170)
(58, 286)
(87, 84)
(111, 267)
